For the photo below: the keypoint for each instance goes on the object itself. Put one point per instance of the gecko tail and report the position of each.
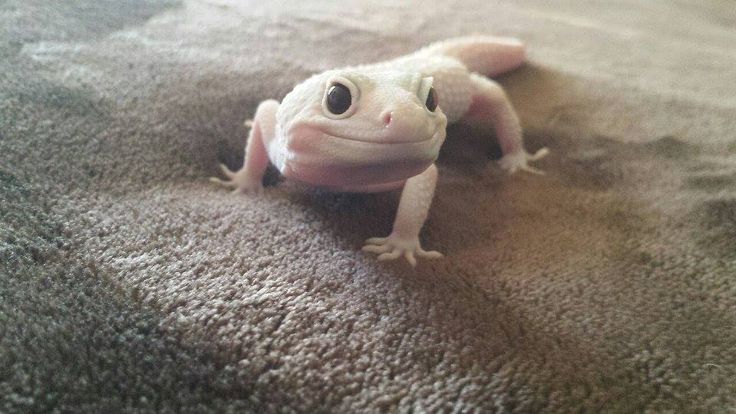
(487, 55)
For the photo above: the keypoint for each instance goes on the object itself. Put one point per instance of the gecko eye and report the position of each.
(427, 94)
(340, 98)
(431, 102)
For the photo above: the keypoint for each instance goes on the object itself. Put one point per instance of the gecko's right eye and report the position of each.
(339, 99)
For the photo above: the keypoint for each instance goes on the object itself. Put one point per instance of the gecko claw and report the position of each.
(393, 247)
(238, 181)
(519, 161)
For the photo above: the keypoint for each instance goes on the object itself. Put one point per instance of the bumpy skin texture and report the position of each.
(390, 135)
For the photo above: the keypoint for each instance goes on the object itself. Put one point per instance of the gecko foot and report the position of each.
(519, 160)
(239, 181)
(393, 247)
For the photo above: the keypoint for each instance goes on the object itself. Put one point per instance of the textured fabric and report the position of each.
(128, 282)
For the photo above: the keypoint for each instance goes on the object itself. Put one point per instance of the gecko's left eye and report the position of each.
(427, 94)
(431, 102)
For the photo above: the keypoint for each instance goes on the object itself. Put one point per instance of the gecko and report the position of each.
(379, 127)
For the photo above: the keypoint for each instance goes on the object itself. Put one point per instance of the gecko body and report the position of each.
(380, 127)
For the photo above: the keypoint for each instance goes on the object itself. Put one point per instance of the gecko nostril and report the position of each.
(387, 118)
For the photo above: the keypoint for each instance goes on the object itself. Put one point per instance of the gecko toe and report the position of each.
(409, 256)
(533, 170)
(393, 255)
(432, 254)
(376, 240)
(227, 171)
(222, 182)
(377, 249)
(539, 154)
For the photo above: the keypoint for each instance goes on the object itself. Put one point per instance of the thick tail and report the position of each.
(487, 55)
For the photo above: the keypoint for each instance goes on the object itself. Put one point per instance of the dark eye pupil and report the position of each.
(338, 99)
(431, 103)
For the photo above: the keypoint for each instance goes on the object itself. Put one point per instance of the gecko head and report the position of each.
(360, 128)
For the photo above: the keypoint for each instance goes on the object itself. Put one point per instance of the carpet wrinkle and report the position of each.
(570, 104)
(711, 182)
(63, 323)
(206, 323)
(636, 225)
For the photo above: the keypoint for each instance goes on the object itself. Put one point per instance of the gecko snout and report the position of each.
(406, 123)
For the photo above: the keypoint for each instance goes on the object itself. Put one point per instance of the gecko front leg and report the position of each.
(250, 177)
(413, 209)
(490, 103)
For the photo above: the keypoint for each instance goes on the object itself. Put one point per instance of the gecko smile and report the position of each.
(376, 137)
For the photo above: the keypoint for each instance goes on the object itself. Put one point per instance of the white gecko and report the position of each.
(380, 127)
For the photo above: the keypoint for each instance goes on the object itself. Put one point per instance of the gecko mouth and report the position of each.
(315, 156)
(318, 154)
(367, 135)
(384, 140)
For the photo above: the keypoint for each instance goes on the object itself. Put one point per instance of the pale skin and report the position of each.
(379, 127)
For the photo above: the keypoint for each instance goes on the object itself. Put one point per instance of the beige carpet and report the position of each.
(130, 283)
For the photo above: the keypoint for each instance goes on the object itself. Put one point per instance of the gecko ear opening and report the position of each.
(340, 98)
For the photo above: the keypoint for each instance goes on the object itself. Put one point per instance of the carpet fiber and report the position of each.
(129, 283)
